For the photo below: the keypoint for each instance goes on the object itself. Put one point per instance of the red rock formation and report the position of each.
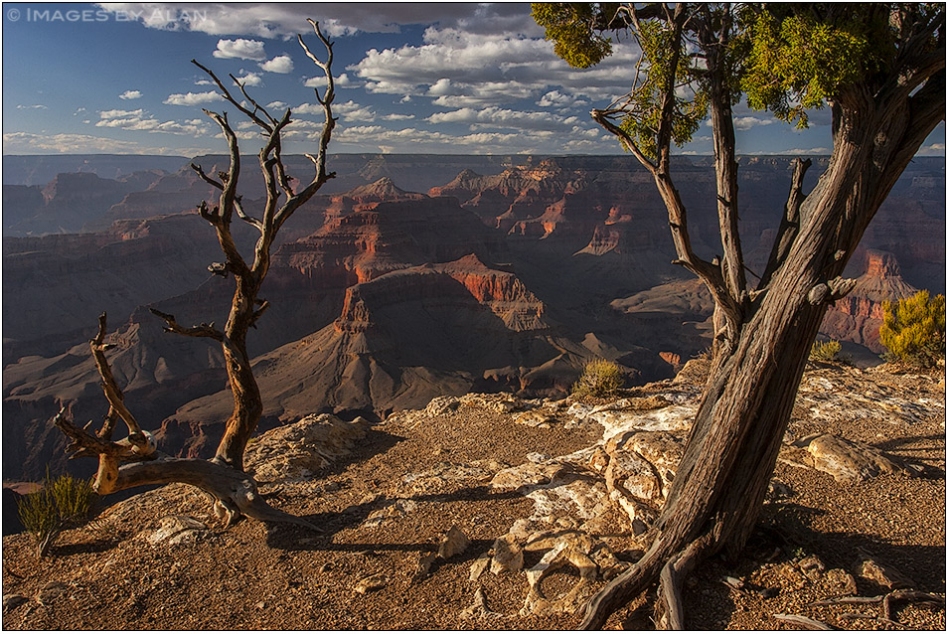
(858, 316)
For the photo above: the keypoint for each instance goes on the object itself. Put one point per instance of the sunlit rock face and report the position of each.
(858, 316)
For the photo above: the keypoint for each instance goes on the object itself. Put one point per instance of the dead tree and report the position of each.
(222, 477)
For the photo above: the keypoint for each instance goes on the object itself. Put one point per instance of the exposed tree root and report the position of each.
(803, 622)
(887, 600)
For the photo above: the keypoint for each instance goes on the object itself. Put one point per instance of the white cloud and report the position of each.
(240, 49)
(308, 108)
(397, 117)
(274, 20)
(934, 149)
(556, 99)
(249, 79)
(131, 94)
(35, 106)
(506, 118)
(342, 81)
(192, 98)
(139, 120)
(459, 68)
(281, 64)
(352, 111)
(747, 123)
(29, 143)
(277, 105)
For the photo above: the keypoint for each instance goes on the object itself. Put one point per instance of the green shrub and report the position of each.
(825, 350)
(599, 378)
(61, 503)
(914, 329)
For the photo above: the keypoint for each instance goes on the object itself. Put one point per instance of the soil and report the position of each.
(386, 505)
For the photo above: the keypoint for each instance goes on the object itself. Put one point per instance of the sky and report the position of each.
(441, 78)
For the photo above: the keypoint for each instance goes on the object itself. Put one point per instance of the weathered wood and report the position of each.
(803, 622)
(762, 346)
(223, 477)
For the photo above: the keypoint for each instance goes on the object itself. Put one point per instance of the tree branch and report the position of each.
(203, 330)
(790, 223)
(113, 393)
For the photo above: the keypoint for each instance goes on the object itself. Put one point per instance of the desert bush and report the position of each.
(914, 329)
(599, 378)
(61, 503)
(825, 350)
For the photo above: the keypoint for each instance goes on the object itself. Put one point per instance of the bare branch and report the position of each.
(227, 95)
(203, 330)
(207, 179)
(113, 393)
(256, 105)
(239, 209)
(790, 223)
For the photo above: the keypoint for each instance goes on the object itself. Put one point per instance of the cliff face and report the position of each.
(858, 316)
(507, 276)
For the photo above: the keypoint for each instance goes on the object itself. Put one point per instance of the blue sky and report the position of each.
(412, 78)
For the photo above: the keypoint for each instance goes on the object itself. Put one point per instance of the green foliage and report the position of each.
(914, 329)
(785, 57)
(61, 503)
(797, 61)
(572, 28)
(645, 106)
(600, 378)
(825, 350)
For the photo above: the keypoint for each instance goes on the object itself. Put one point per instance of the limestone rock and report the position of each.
(372, 583)
(508, 555)
(526, 475)
(884, 575)
(299, 450)
(423, 566)
(442, 405)
(176, 529)
(478, 609)
(851, 461)
(11, 601)
(567, 548)
(453, 543)
(478, 567)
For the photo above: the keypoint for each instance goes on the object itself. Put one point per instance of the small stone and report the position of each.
(50, 592)
(883, 575)
(11, 601)
(478, 567)
(372, 583)
(260, 605)
(177, 529)
(508, 556)
(423, 566)
(453, 543)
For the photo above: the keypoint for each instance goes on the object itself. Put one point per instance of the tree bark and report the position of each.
(732, 449)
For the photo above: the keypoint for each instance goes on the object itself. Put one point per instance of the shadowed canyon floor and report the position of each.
(493, 512)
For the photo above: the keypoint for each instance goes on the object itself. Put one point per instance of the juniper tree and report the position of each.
(880, 68)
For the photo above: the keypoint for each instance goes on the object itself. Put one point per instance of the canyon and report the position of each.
(406, 278)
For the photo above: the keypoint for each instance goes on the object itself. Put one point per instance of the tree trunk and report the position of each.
(737, 432)
(248, 405)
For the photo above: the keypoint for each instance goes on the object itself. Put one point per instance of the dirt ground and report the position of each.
(387, 505)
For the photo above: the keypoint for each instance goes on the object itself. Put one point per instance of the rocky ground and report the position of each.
(489, 512)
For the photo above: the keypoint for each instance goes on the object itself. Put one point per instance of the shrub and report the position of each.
(825, 350)
(61, 503)
(914, 329)
(599, 378)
